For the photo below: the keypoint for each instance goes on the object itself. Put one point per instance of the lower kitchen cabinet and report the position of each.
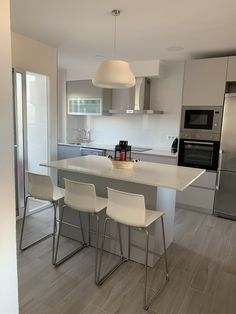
(200, 195)
(154, 158)
(150, 158)
(67, 151)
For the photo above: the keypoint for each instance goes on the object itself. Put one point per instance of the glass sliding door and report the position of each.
(31, 111)
(37, 96)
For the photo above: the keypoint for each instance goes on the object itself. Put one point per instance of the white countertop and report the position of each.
(148, 173)
(154, 151)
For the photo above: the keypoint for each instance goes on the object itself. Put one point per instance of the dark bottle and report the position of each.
(174, 146)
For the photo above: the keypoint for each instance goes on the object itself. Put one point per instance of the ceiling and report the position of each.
(83, 30)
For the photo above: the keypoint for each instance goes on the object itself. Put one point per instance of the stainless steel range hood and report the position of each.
(139, 97)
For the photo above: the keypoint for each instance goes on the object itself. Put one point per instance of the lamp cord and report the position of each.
(114, 46)
(115, 13)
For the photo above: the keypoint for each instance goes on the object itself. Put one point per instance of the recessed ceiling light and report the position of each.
(175, 48)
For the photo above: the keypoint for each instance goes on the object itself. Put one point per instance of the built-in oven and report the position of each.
(201, 119)
(199, 153)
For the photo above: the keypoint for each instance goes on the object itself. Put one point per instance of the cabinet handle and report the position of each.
(219, 169)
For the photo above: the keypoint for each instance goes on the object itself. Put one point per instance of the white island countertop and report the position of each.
(148, 173)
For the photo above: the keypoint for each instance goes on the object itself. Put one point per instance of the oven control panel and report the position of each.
(200, 136)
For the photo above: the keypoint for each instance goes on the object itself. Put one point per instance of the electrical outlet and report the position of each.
(170, 137)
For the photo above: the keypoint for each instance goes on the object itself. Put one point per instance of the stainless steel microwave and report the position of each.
(201, 119)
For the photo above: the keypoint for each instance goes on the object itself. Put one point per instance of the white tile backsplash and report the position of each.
(139, 130)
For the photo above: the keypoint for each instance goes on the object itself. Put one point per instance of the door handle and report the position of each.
(219, 169)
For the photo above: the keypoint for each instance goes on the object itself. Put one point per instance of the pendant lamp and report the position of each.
(114, 73)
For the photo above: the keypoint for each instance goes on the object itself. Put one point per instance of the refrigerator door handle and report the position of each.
(219, 169)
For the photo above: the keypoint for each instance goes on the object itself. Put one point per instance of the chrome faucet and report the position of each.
(86, 134)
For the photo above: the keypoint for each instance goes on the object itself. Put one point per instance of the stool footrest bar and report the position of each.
(64, 259)
(109, 273)
(36, 242)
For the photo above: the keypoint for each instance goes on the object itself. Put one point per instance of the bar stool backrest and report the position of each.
(40, 186)
(126, 208)
(80, 196)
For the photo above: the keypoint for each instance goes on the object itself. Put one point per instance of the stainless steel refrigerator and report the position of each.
(225, 196)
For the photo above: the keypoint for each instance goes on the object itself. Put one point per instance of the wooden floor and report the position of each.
(202, 263)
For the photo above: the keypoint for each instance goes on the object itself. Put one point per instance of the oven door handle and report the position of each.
(219, 169)
(196, 142)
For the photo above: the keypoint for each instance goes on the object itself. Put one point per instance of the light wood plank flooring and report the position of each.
(202, 263)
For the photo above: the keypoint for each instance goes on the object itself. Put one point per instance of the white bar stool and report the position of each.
(129, 209)
(41, 187)
(81, 197)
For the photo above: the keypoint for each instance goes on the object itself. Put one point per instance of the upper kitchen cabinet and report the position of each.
(204, 82)
(83, 98)
(231, 72)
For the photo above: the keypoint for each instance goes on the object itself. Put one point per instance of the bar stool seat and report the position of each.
(82, 198)
(129, 209)
(41, 187)
(58, 193)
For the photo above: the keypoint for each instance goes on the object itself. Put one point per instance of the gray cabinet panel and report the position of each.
(225, 196)
(204, 82)
(231, 71)
(66, 151)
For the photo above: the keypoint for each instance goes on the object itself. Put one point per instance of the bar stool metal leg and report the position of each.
(129, 240)
(164, 244)
(81, 228)
(23, 227)
(23, 223)
(146, 269)
(65, 258)
(146, 303)
(97, 245)
(89, 233)
(120, 240)
(122, 259)
(59, 233)
(102, 248)
(54, 231)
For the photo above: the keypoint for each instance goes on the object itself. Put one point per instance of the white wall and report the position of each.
(62, 109)
(152, 130)
(34, 56)
(8, 270)
(148, 68)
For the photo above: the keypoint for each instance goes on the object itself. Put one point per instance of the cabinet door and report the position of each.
(154, 158)
(231, 71)
(83, 98)
(196, 198)
(66, 151)
(204, 82)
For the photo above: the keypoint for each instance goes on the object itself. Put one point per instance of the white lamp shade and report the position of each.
(114, 74)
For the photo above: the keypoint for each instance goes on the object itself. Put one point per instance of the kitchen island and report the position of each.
(157, 182)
